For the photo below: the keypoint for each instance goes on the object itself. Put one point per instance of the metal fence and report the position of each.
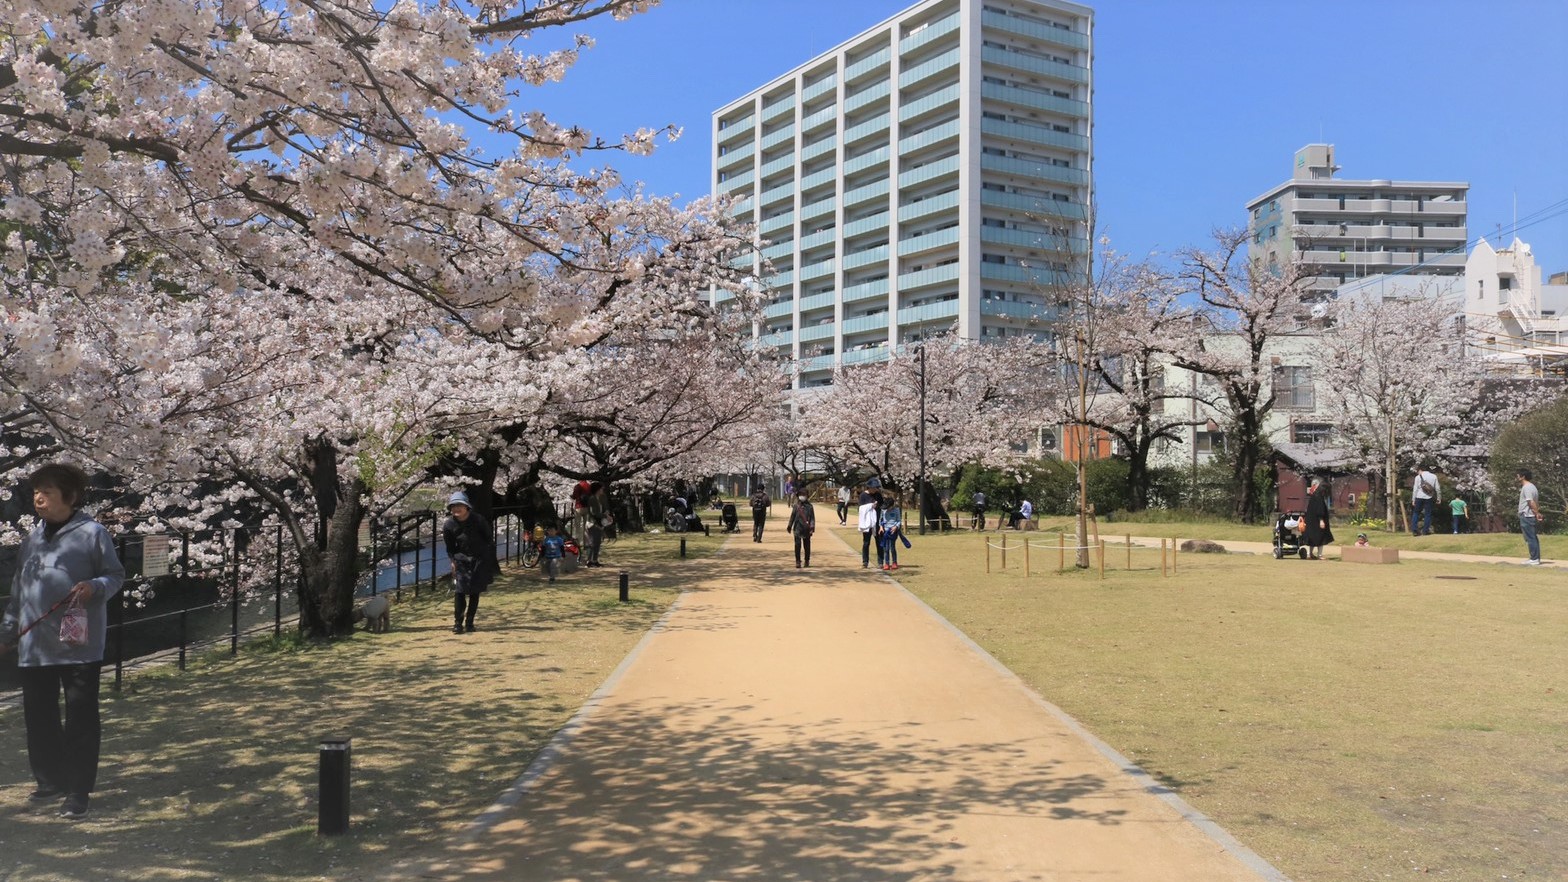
(195, 591)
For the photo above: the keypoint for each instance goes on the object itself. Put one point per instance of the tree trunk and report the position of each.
(330, 569)
(1138, 476)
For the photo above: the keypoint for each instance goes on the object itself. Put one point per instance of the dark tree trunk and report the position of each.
(1138, 477)
(330, 568)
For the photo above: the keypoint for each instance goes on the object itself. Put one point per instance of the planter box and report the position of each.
(1369, 554)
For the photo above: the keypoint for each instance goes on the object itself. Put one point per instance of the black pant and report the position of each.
(463, 608)
(759, 516)
(865, 547)
(843, 512)
(63, 757)
(802, 544)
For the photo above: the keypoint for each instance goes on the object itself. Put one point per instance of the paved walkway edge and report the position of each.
(1204, 823)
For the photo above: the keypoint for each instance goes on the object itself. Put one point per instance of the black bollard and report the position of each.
(683, 548)
(333, 786)
(625, 592)
(705, 530)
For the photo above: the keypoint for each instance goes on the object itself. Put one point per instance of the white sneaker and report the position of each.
(1532, 563)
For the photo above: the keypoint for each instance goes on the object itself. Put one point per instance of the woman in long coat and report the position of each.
(1318, 533)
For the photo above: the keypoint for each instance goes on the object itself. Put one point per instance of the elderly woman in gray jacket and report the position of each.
(67, 561)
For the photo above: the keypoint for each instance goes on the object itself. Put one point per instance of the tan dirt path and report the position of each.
(823, 724)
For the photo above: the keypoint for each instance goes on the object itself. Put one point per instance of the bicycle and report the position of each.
(531, 549)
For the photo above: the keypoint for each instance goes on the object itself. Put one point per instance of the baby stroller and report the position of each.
(1287, 535)
(730, 520)
(679, 518)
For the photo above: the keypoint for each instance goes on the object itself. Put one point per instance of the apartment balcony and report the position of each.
(1033, 30)
(1366, 261)
(779, 280)
(812, 333)
(776, 223)
(1031, 312)
(926, 278)
(778, 107)
(927, 207)
(868, 129)
(817, 270)
(736, 182)
(743, 206)
(773, 341)
(927, 70)
(738, 155)
(824, 116)
(942, 98)
(864, 323)
(870, 64)
(930, 137)
(819, 88)
(1033, 134)
(864, 291)
(929, 312)
(1033, 276)
(920, 244)
(866, 356)
(774, 252)
(778, 137)
(736, 130)
(817, 301)
(777, 194)
(865, 225)
(817, 363)
(931, 171)
(866, 257)
(1033, 99)
(867, 96)
(930, 33)
(1036, 240)
(816, 210)
(777, 310)
(1029, 168)
(775, 166)
(874, 190)
(1035, 206)
(864, 161)
(817, 179)
(1030, 64)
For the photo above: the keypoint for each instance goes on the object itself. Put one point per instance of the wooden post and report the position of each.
(1102, 558)
(1026, 556)
(1061, 553)
(1004, 551)
(1162, 557)
(987, 552)
(1129, 551)
(1173, 557)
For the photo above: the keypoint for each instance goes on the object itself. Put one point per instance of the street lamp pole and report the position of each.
(920, 502)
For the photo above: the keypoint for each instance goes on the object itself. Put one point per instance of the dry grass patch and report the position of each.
(211, 774)
(1347, 722)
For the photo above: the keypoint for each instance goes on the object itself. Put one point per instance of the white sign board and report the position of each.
(155, 555)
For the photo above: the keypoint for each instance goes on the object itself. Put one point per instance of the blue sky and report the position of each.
(1199, 104)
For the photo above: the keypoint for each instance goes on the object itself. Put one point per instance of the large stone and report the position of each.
(1202, 546)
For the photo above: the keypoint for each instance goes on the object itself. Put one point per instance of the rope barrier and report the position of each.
(1168, 564)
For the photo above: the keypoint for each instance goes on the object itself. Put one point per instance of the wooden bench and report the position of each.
(1368, 554)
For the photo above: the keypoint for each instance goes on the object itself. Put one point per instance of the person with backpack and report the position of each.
(470, 546)
(802, 523)
(1424, 493)
(760, 503)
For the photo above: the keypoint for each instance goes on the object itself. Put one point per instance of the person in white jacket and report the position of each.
(868, 527)
(1425, 492)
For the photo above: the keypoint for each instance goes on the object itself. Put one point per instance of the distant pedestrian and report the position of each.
(802, 523)
(57, 619)
(760, 503)
(552, 551)
(977, 505)
(868, 527)
(470, 546)
(1529, 516)
(1318, 532)
(1424, 493)
(843, 505)
(1459, 512)
(1026, 514)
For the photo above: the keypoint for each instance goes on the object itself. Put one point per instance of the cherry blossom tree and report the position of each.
(251, 246)
(1401, 389)
(1242, 306)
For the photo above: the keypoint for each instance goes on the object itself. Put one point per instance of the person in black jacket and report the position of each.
(471, 547)
(1319, 510)
(802, 522)
(760, 503)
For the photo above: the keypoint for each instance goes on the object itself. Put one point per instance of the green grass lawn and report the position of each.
(211, 774)
(1347, 722)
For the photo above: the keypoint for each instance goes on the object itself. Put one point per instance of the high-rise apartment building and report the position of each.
(1343, 230)
(932, 172)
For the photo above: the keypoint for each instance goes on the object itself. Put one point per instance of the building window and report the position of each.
(1311, 433)
(1293, 387)
(1209, 442)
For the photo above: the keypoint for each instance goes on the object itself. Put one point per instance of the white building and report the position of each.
(1343, 230)
(1516, 321)
(931, 172)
